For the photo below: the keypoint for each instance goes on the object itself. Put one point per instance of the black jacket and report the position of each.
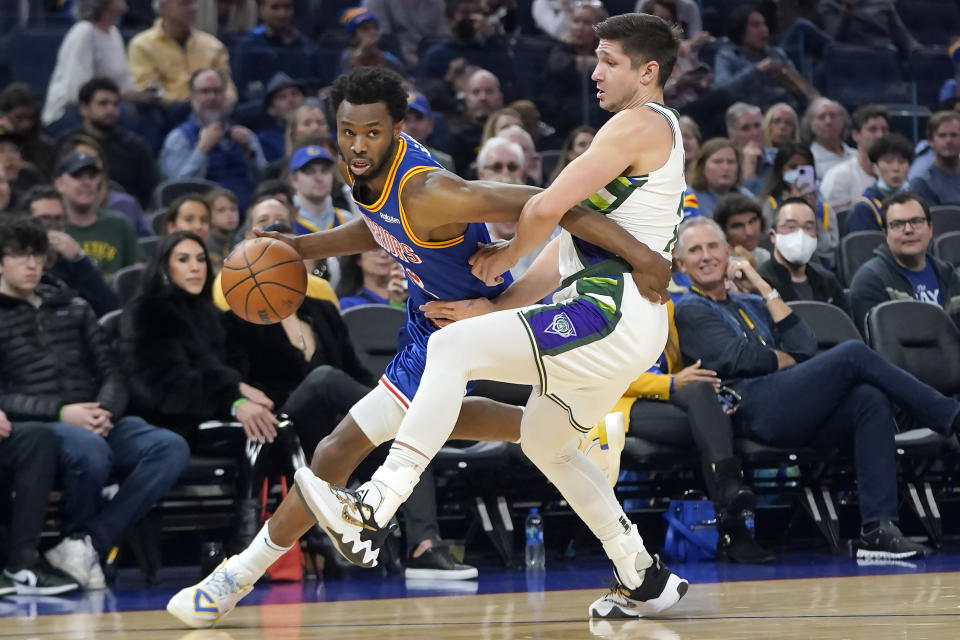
(174, 355)
(53, 355)
(265, 358)
(85, 278)
(825, 286)
(879, 279)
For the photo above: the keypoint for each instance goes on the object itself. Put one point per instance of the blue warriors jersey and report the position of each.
(435, 270)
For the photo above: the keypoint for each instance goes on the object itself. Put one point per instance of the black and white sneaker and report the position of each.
(41, 579)
(436, 563)
(660, 590)
(884, 541)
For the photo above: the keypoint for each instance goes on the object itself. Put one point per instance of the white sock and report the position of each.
(251, 563)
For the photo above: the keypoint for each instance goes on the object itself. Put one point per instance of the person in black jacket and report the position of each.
(902, 268)
(790, 270)
(791, 397)
(66, 260)
(56, 367)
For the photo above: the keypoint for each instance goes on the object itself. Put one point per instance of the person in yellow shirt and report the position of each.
(164, 56)
(264, 212)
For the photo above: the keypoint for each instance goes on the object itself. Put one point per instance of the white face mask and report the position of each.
(796, 247)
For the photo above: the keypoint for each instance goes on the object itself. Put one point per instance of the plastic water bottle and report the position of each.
(535, 554)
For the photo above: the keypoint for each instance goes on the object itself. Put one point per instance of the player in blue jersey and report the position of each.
(430, 221)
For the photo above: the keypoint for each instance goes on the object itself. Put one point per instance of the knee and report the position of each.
(854, 350)
(701, 391)
(173, 451)
(445, 346)
(320, 377)
(38, 438)
(89, 455)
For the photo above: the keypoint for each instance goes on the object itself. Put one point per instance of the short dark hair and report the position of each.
(19, 232)
(369, 85)
(867, 112)
(736, 25)
(248, 223)
(39, 192)
(901, 198)
(273, 187)
(156, 280)
(792, 200)
(170, 215)
(775, 184)
(889, 144)
(732, 204)
(90, 88)
(645, 38)
(18, 94)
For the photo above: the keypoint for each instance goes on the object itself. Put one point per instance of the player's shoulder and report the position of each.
(642, 120)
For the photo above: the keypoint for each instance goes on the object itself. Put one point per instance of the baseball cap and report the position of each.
(305, 155)
(419, 103)
(74, 162)
(279, 81)
(351, 19)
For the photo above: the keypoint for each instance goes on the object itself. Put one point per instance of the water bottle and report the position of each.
(535, 554)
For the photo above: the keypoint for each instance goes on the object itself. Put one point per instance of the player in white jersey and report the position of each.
(580, 353)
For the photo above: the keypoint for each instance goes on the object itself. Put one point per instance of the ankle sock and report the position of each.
(251, 563)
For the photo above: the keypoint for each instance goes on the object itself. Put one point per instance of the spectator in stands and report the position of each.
(29, 451)
(189, 212)
(21, 107)
(419, 125)
(275, 188)
(691, 78)
(132, 164)
(501, 157)
(6, 193)
(208, 146)
(890, 158)
(226, 16)
(951, 87)
(58, 369)
(576, 143)
(686, 13)
(66, 261)
(791, 271)
(940, 184)
(745, 131)
(690, 132)
(790, 396)
(224, 220)
(753, 69)
(19, 174)
(265, 211)
(824, 128)
(363, 29)
(845, 182)
(371, 277)
(742, 222)
(780, 124)
(714, 173)
(409, 23)
(93, 47)
(532, 162)
(169, 54)
(903, 267)
(277, 31)
(284, 96)
(307, 120)
(106, 236)
(481, 98)
(311, 176)
(866, 23)
(108, 196)
(498, 121)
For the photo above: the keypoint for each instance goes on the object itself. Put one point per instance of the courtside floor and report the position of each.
(802, 595)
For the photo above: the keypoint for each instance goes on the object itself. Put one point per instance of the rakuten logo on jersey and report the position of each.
(399, 250)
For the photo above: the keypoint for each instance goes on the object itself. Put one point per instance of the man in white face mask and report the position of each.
(790, 271)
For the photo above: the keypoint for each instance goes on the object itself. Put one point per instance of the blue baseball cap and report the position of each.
(305, 155)
(419, 103)
(351, 19)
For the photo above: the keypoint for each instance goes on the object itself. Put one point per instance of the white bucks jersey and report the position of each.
(649, 207)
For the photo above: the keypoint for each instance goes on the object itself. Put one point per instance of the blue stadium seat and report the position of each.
(932, 22)
(929, 69)
(879, 78)
(530, 59)
(33, 55)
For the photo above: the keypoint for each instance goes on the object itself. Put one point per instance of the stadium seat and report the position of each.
(126, 281)
(855, 249)
(32, 55)
(373, 332)
(168, 191)
(149, 245)
(946, 246)
(829, 323)
(878, 74)
(945, 218)
(929, 69)
(110, 323)
(932, 22)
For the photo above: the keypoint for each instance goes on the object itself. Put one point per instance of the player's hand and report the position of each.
(446, 312)
(5, 426)
(255, 395)
(287, 238)
(693, 373)
(258, 422)
(86, 415)
(491, 261)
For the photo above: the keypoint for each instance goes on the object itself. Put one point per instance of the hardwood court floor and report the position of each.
(912, 606)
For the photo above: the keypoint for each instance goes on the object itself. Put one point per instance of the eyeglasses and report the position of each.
(23, 255)
(899, 225)
(498, 167)
(791, 226)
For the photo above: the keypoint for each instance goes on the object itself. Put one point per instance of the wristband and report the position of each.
(237, 403)
(60, 413)
(773, 295)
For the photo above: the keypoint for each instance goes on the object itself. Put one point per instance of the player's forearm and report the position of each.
(542, 278)
(349, 238)
(598, 229)
(535, 226)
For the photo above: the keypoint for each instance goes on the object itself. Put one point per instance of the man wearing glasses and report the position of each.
(902, 268)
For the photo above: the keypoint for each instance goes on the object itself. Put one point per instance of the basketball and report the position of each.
(263, 280)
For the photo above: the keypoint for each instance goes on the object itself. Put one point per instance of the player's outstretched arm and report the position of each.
(351, 237)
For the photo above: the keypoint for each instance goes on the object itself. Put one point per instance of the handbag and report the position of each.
(290, 565)
(691, 530)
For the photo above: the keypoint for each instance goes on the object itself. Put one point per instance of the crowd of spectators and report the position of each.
(228, 98)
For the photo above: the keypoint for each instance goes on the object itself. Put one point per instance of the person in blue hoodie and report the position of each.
(890, 156)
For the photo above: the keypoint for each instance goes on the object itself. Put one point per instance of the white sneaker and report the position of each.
(78, 559)
(603, 445)
(660, 590)
(206, 603)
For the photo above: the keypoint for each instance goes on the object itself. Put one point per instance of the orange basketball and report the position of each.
(263, 280)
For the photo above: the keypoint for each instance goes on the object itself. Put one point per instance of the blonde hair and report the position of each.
(293, 118)
(768, 122)
(488, 127)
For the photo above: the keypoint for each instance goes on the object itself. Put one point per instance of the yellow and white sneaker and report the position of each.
(206, 603)
(604, 444)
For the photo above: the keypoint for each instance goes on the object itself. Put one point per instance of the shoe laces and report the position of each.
(222, 583)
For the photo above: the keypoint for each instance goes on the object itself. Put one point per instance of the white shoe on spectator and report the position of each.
(78, 559)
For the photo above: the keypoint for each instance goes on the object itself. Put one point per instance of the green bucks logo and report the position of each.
(561, 326)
